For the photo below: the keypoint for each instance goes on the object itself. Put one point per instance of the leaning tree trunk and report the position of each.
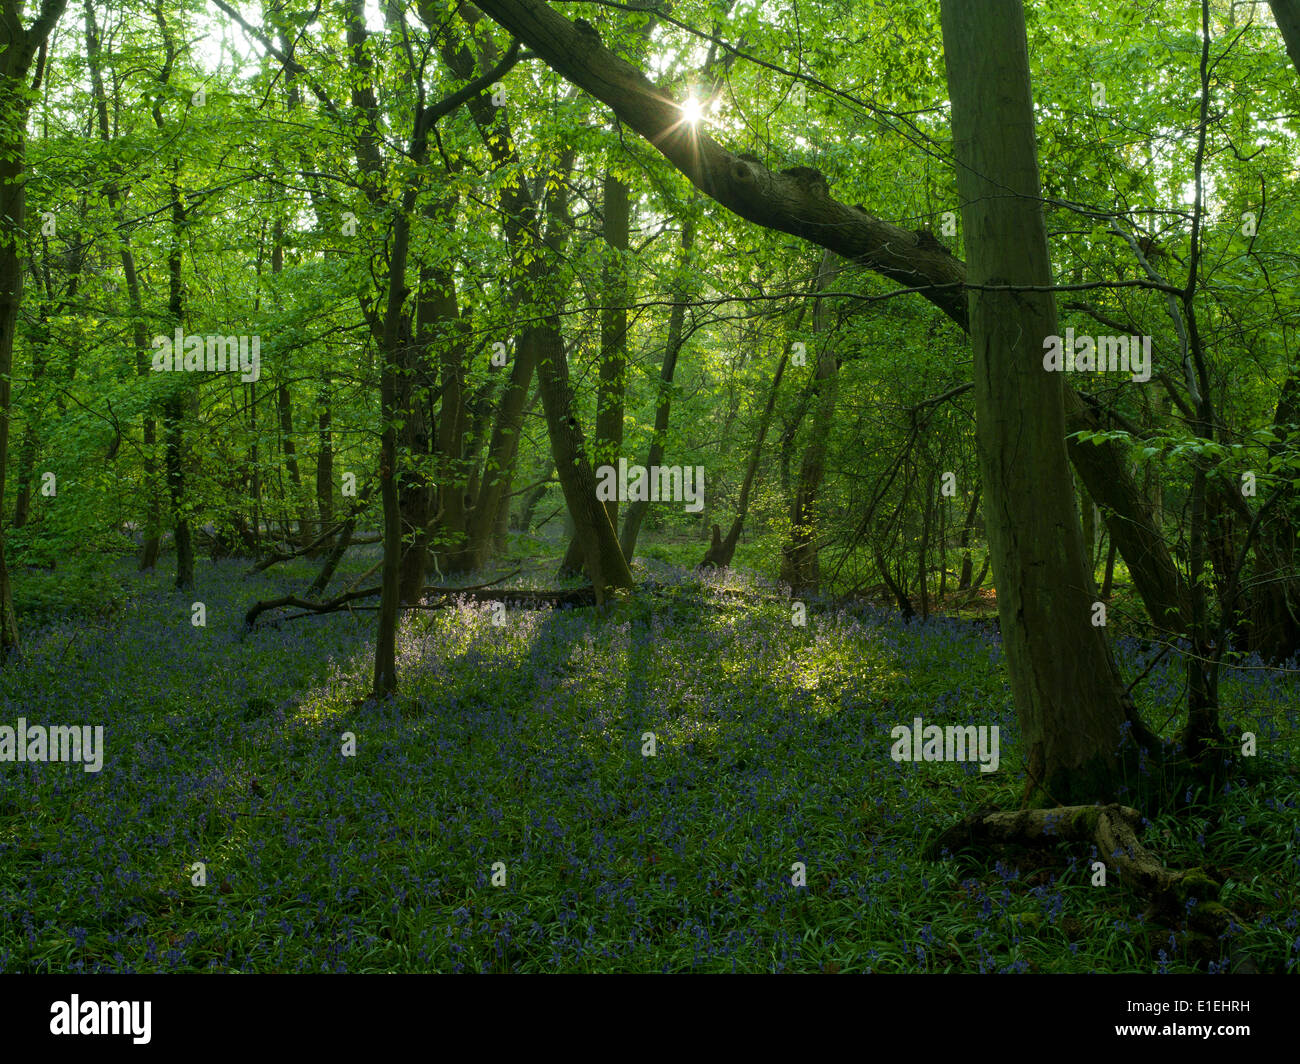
(721, 551)
(1067, 690)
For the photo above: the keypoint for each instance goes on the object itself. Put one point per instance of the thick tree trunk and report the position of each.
(1286, 13)
(604, 562)
(18, 47)
(1067, 690)
(1129, 520)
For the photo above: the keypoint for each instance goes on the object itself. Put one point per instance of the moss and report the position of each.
(1087, 819)
(1196, 883)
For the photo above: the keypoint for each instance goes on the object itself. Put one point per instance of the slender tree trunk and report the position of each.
(13, 214)
(723, 550)
(613, 330)
(28, 447)
(799, 567)
(174, 409)
(636, 510)
(923, 566)
(325, 456)
(531, 498)
(967, 529)
(341, 542)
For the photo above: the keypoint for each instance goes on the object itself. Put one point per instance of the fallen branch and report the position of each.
(519, 598)
(333, 605)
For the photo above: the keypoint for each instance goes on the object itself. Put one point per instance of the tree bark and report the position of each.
(1067, 690)
(613, 329)
(1286, 13)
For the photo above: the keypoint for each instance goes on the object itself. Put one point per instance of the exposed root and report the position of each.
(1112, 828)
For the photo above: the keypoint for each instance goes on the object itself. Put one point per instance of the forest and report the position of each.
(603, 486)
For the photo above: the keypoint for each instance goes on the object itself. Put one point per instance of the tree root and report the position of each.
(1190, 895)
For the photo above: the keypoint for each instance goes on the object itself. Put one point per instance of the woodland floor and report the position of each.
(521, 743)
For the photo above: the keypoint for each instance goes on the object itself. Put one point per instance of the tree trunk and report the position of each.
(174, 409)
(1067, 690)
(636, 510)
(721, 552)
(613, 330)
(13, 211)
(18, 47)
(967, 528)
(922, 566)
(325, 457)
(1286, 13)
(341, 543)
(799, 565)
